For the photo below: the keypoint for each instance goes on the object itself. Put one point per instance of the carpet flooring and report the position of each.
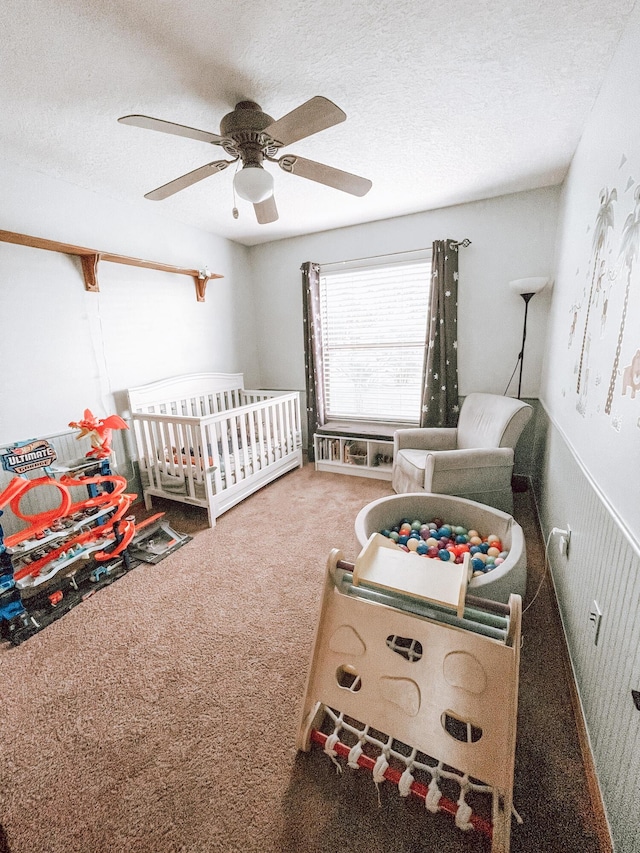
(159, 716)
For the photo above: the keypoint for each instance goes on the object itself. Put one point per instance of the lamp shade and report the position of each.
(528, 285)
(253, 183)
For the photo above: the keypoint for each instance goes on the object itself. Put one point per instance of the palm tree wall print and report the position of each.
(629, 246)
(604, 222)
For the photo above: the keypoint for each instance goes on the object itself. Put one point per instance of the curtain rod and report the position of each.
(454, 243)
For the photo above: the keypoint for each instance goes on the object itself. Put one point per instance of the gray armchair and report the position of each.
(473, 460)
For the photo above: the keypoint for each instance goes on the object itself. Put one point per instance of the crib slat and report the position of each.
(288, 437)
(246, 454)
(268, 412)
(233, 439)
(211, 437)
(256, 462)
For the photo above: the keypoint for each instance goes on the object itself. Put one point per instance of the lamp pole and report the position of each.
(526, 297)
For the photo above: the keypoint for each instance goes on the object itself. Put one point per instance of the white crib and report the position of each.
(204, 440)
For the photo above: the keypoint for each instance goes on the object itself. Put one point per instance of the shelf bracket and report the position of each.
(202, 279)
(90, 272)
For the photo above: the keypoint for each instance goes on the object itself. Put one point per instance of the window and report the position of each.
(374, 324)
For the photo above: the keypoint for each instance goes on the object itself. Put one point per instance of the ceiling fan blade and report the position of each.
(187, 180)
(336, 178)
(266, 211)
(311, 117)
(171, 127)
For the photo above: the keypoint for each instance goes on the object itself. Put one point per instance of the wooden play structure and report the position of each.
(418, 683)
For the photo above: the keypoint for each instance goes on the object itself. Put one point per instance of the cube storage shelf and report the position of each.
(360, 457)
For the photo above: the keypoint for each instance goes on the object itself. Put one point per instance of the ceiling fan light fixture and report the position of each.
(253, 183)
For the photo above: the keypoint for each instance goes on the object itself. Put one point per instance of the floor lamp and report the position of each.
(527, 288)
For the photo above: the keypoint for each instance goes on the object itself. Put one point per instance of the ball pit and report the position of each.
(447, 541)
(437, 525)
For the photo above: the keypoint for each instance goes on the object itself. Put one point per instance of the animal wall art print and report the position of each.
(604, 332)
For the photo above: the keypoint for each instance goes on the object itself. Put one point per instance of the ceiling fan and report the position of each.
(251, 136)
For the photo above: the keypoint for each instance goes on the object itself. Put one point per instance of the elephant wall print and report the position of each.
(631, 376)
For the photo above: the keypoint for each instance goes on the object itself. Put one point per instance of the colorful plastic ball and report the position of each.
(402, 540)
(386, 533)
(477, 574)
(422, 548)
(433, 551)
(475, 549)
(438, 522)
(416, 525)
(412, 544)
(461, 538)
(431, 541)
(444, 554)
(498, 561)
(493, 538)
(394, 535)
(490, 561)
(493, 552)
(484, 547)
(404, 548)
(460, 531)
(477, 565)
(474, 539)
(504, 554)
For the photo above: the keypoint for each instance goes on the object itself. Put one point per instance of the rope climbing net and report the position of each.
(442, 788)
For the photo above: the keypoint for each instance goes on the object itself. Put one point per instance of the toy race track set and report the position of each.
(66, 554)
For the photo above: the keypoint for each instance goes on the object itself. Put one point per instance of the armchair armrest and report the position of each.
(429, 438)
(476, 457)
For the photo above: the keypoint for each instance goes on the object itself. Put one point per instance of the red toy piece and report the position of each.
(99, 432)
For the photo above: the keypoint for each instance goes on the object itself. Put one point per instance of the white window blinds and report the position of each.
(374, 322)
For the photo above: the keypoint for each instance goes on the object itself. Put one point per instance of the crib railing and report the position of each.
(217, 451)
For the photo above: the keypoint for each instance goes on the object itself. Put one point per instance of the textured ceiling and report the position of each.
(447, 101)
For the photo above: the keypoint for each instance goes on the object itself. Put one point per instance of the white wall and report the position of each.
(589, 461)
(512, 237)
(63, 349)
(606, 438)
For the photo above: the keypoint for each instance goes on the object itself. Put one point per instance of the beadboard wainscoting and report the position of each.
(602, 565)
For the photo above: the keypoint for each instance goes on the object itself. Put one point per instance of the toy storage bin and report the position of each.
(355, 453)
(497, 584)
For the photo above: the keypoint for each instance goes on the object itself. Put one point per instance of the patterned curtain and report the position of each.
(312, 351)
(440, 378)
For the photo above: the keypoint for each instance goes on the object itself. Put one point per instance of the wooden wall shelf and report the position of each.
(90, 258)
